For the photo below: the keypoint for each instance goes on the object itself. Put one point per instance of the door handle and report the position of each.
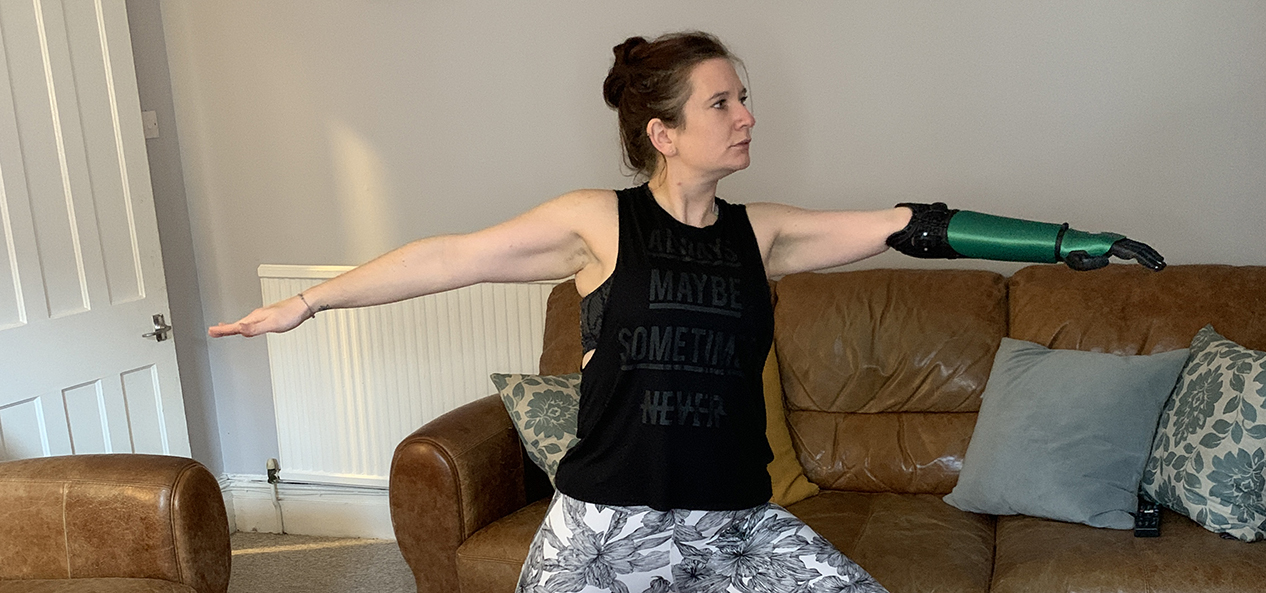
(160, 329)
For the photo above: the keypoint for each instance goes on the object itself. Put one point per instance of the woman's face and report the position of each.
(716, 129)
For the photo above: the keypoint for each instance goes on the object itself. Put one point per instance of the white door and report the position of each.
(80, 268)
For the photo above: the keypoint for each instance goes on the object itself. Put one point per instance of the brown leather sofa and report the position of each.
(882, 372)
(112, 524)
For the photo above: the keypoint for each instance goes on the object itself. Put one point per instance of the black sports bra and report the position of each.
(591, 307)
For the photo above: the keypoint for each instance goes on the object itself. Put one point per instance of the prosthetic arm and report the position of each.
(936, 231)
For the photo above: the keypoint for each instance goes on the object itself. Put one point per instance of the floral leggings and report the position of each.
(589, 548)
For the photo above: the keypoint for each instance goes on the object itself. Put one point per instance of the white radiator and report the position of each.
(350, 384)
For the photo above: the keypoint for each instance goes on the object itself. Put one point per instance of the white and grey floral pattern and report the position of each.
(543, 409)
(1209, 456)
(587, 548)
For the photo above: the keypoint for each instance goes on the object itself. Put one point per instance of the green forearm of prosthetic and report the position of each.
(985, 236)
(936, 231)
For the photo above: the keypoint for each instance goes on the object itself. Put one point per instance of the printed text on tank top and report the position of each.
(593, 304)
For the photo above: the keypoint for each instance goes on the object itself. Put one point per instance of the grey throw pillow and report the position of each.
(543, 409)
(1064, 434)
(1209, 458)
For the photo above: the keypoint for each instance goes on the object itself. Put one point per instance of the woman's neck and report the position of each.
(691, 202)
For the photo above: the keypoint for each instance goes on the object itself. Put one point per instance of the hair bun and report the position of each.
(619, 77)
(624, 51)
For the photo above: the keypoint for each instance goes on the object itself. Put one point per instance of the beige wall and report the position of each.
(325, 132)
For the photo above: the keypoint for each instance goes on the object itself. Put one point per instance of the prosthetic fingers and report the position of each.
(936, 231)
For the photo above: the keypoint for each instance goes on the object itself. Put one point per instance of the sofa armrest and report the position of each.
(101, 516)
(449, 479)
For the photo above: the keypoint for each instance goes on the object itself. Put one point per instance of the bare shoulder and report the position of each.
(769, 212)
(768, 218)
(594, 215)
(586, 201)
(587, 211)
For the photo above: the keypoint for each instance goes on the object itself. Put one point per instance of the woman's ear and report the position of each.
(662, 137)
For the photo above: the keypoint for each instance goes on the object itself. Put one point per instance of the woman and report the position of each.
(667, 489)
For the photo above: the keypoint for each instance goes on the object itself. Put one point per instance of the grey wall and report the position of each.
(166, 175)
(326, 132)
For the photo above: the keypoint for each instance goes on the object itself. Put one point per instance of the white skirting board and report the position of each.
(306, 509)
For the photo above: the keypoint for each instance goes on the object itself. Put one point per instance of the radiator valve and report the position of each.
(274, 469)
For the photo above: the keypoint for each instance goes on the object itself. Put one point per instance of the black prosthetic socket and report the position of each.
(926, 236)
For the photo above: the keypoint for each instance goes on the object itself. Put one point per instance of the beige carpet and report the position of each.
(271, 563)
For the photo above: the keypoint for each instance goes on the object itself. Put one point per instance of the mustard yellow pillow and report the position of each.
(785, 472)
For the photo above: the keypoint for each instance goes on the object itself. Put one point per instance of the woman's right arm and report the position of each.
(549, 242)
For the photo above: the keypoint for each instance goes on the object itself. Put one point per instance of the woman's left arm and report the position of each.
(798, 240)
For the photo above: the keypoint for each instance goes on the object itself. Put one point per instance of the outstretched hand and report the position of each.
(278, 317)
(1122, 248)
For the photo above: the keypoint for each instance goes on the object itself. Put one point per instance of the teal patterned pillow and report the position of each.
(543, 409)
(1209, 457)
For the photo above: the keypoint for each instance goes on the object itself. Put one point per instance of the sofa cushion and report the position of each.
(490, 560)
(908, 452)
(1128, 309)
(883, 371)
(876, 341)
(561, 353)
(1050, 556)
(1209, 458)
(907, 542)
(1064, 434)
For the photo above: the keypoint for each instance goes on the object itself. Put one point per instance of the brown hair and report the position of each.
(651, 79)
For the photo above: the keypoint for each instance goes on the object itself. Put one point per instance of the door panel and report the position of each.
(22, 429)
(145, 406)
(85, 414)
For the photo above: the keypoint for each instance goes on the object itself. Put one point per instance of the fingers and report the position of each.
(1122, 248)
(246, 327)
(230, 329)
(1140, 252)
(274, 318)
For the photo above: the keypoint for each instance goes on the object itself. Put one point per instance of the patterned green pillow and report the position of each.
(1209, 456)
(543, 409)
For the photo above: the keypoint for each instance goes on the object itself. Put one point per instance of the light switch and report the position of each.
(149, 121)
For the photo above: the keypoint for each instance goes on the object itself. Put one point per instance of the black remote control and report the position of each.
(1147, 519)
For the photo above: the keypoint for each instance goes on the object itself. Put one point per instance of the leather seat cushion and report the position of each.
(490, 560)
(103, 585)
(908, 542)
(1041, 555)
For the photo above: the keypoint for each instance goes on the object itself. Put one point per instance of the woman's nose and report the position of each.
(746, 119)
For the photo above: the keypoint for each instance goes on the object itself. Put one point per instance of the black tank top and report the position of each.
(672, 413)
